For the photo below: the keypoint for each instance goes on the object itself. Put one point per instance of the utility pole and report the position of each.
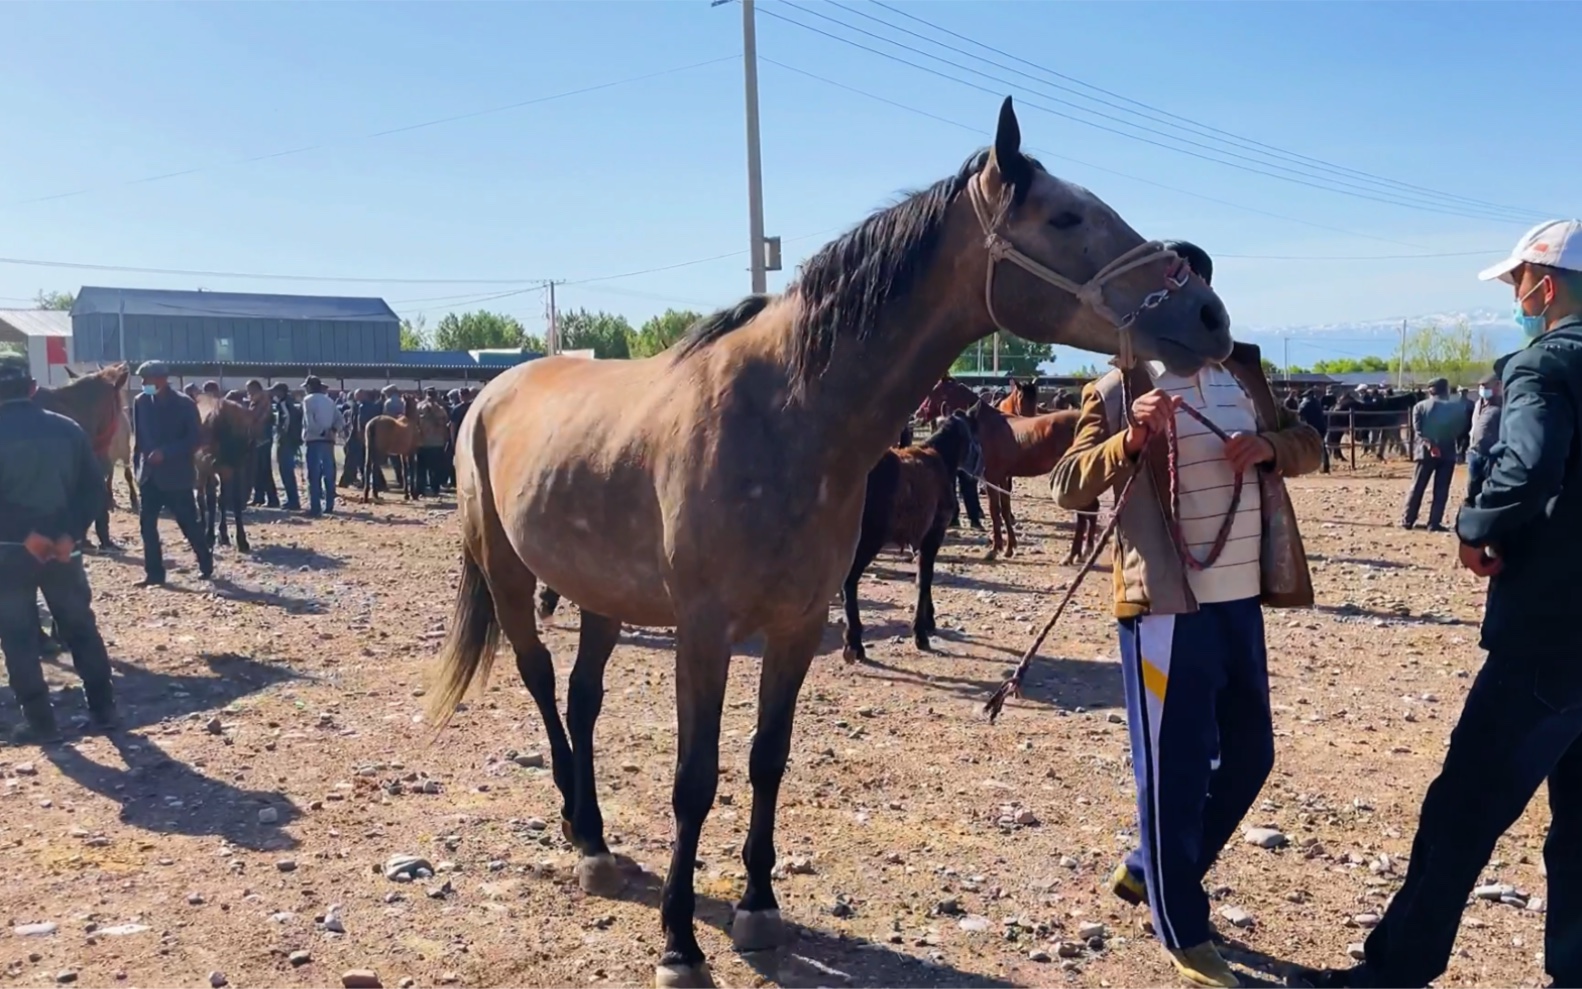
(996, 352)
(1285, 346)
(755, 179)
(1400, 363)
(552, 339)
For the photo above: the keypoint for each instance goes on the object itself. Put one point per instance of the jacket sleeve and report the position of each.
(1298, 449)
(1097, 460)
(1419, 413)
(88, 493)
(1529, 461)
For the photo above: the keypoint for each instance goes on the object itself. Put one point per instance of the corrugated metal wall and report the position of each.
(96, 338)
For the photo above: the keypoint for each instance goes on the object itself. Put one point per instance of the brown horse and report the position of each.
(1022, 400)
(97, 403)
(1021, 446)
(718, 487)
(392, 436)
(229, 431)
(948, 395)
(118, 451)
(910, 497)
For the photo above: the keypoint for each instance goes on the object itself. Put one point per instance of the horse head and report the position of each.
(1064, 267)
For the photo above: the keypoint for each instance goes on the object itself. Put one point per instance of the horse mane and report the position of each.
(846, 285)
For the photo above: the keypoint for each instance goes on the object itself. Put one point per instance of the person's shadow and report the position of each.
(163, 795)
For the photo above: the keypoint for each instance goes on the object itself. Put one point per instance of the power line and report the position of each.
(383, 133)
(1111, 171)
(1165, 116)
(1296, 178)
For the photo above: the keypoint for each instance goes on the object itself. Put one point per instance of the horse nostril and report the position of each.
(1214, 318)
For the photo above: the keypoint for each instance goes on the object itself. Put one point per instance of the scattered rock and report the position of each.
(1067, 862)
(1356, 951)
(214, 727)
(1236, 916)
(299, 958)
(530, 760)
(286, 865)
(948, 907)
(332, 920)
(1026, 818)
(43, 929)
(1366, 921)
(973, 924)
(268, 815)
(1068, 949)
(361, 978)
(195, 899)
(799, 865)
(1091, 930)
(1264, 838)
(408, 867)
(1494, 891)
(65, 976)
(1038, 955)
(218, 979)
(28, 769)
(1115, 718)
(441, 891)
(122, 930)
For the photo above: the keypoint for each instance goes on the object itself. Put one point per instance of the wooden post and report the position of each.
(1351, 433)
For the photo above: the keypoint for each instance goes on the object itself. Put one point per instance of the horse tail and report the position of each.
(470, 645)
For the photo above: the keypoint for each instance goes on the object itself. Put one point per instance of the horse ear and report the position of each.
(1006, 157)
(69, 372)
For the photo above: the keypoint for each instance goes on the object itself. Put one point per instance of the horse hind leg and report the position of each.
(598, 873)
(923, 617)
(548, 601)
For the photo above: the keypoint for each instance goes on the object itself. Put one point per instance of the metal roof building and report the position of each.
(45, 336)
(112, 324)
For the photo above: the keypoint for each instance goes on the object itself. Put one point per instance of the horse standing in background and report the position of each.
(718, 487)
(1022, 400)
(908, 502)
(1020, 446)
(389, 436)
(229, 430)
(948, 395)
(97, 403)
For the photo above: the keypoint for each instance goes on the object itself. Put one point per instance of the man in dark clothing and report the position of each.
(1311, 411)
(288, 441)
(51, 490)
(1483, 435)
(1436, 422)
(264, 490)
(1523, 715)
(165, 429)
(433, 431)
(458, 412)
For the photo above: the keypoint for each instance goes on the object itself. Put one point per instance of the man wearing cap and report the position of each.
(1484, 433)
(1436, 422)
(165, 431)
(51, 489)
(1523, 716)
(321, 420)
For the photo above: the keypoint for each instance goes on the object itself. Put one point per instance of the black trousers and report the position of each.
(967, 487)
(430, 469)
(1521, 724)
(1439, 470)
(264, 490)
(185, 509)
(352, 471)
(66, 592)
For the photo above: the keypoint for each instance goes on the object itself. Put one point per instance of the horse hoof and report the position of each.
(757, 930)
(920, 640)
(565, 831)
(244, 547)
(601, 875)
(855, 654)
(683, 977)
(991, 556)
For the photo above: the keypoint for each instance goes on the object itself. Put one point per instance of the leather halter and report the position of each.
(1089, 293)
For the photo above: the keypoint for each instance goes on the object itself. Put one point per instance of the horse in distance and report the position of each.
(391, 436)
(908, 503)
(718, 487)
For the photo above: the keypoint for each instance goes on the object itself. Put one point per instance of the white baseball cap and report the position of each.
(1556, 244)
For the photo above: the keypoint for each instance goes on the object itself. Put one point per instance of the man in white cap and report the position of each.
(1523, 716)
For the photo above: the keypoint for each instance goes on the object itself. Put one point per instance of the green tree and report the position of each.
(55, 300)
(1353, 365)
(660, 332)
(414, 334)
(483, 330)
(1017, 356)
(1454, 352)
(606, 334)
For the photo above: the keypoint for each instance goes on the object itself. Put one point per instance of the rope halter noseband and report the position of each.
(1089, 293)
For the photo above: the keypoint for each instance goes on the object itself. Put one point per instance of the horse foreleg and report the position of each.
(923, 615)
(1010, 521)
(210, 497)
(239, 505)
(757, 924)
(994, 524)
(227, 487)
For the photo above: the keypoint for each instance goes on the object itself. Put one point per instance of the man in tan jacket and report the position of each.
(1194, 564)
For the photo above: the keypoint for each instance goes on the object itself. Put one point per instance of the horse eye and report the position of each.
(1065, 221)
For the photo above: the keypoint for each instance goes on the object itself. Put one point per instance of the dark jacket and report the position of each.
(50, 481)
(169, 422)
(1312, 412)
(288, 423)
(1530, 508)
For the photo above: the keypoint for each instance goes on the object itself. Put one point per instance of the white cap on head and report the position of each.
(1557, 244)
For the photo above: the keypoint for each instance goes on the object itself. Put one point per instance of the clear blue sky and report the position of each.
(1459, 98)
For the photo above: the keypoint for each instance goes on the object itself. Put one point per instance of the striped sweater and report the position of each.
(1206, 482)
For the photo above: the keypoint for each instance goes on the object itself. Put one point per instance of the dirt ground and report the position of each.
(277, 756)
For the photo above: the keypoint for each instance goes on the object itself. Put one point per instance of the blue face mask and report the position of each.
(1532, 327)
(1485, 393)
(148, 389)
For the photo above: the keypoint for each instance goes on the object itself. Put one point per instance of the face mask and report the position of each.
(1485, 393)
(148, 389)
(1532, 327)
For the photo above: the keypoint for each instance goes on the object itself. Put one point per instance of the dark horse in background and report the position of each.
(229, 430)
(1381, 421)
(908, 503)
